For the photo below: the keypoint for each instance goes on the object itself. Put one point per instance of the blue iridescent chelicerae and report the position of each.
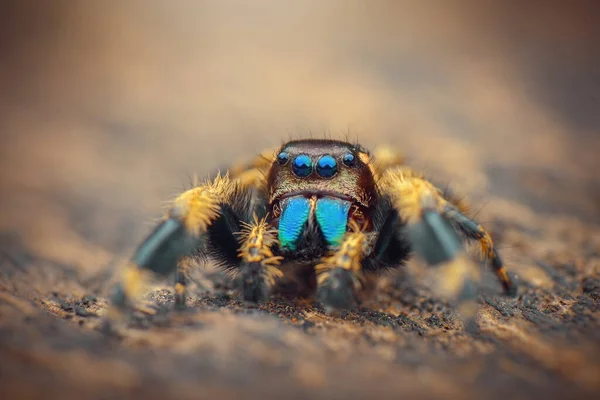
(332, 217)
(295, 214)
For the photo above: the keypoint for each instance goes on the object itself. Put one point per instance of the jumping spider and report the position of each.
(324, 204)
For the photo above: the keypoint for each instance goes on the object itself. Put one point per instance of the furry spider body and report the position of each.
(322, 204)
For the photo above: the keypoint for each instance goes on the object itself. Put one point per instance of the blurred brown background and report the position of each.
(107, 107)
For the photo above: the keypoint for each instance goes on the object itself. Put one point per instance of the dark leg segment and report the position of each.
(179, 234)
(432, 225)
(392, 247)
(432, 236)
(474, 231)
(419, 205)
(180, 285)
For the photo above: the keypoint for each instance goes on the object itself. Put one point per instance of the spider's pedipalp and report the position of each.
(339, 275)
(258, 270)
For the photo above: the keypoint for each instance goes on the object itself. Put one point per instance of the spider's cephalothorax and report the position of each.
(315, 189)
(326, 204)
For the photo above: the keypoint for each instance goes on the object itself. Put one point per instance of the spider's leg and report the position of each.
(339, 274)
(383, 158)
(431, 234)
(420, 206)
(258, 269)
(179, 234)
(252, 173)
(181, 282)
(474, 231)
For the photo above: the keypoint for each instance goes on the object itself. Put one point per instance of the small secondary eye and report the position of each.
(282, 158)
(302, 166)
(326, 166)
(349, 159)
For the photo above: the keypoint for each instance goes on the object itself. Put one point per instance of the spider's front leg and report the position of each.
(432, 225)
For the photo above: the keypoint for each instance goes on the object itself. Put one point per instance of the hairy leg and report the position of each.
(474, 231)
(181, 281)
(258, 270)
(253, 173)
(420, 205)
(339, 274)
(383, 158)
(180, 233)
(432, 224)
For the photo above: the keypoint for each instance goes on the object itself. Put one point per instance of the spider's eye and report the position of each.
(302, 165)
(326, 166)
(349, 159)
(282, 158)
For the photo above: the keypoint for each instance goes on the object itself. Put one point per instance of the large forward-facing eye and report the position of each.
(302, 166)
(326, 166)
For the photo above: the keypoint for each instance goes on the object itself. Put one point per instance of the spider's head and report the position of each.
(331, 180)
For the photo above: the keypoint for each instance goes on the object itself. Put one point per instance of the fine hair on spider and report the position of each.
(323, 205)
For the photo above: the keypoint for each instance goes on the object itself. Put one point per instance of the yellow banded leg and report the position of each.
(474, 231)
(489, 252)
(253, 173)
(258, 269)
(181, 282)
(339, 275)
(382, 158)
(132, 281)
(179, 233)
(411, 193)
(432, 235)
(421, 206)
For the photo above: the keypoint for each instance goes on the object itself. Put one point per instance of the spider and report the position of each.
(325, 205)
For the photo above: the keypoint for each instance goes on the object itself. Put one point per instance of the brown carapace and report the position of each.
(328, 205)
